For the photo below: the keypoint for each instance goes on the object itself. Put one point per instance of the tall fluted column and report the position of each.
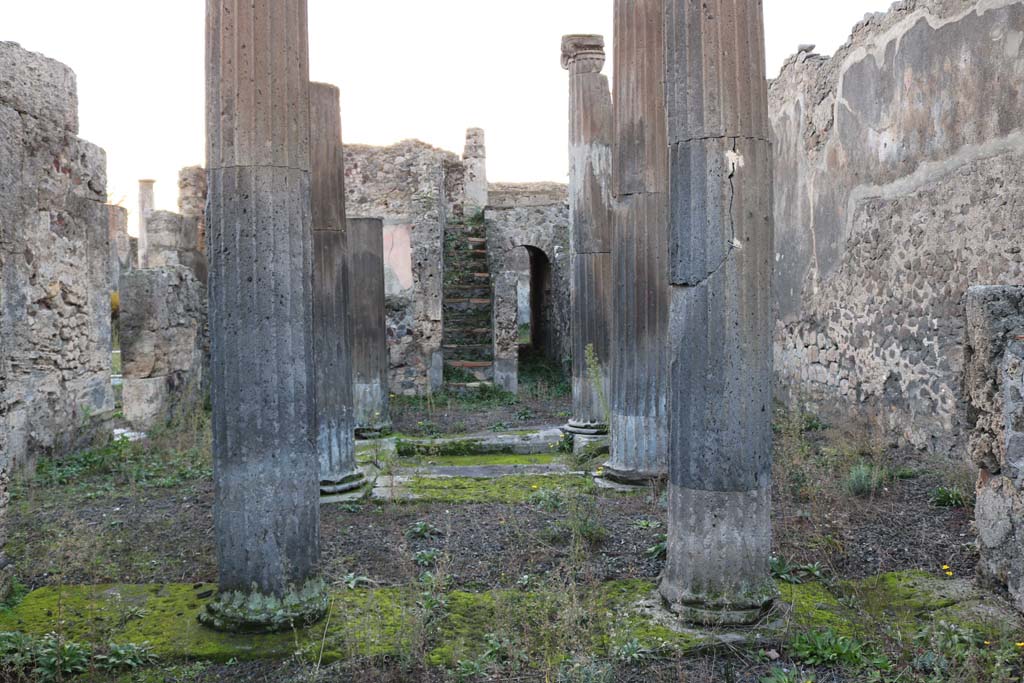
(639, 379)
(266, 471)
(370, 357)
(332, 327)
(147, 202)
(721, 241)
(591, 223)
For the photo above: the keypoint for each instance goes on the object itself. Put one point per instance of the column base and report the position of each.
(255, 612)
(742, 609)
(349, 483)
(635, 478)
(373, 431)
(585, 428)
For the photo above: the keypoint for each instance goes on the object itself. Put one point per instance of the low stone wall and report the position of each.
(55, 261)
(897, 165)
(995, 392)
(163, 345)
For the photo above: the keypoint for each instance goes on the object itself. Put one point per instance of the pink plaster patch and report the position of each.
(398, 253)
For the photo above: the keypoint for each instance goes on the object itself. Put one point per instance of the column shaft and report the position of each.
(266, 503)
(721, 241)
(590, 211)
(332, 327)
(639, 378)
(370, 358)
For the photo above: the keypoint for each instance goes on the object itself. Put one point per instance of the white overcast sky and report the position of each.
(425, 69)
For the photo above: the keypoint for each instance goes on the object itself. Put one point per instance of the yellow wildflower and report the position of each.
(949, 573)
(1020, 644)
(945, 566)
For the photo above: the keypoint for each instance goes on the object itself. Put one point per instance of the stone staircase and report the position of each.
(468, 329)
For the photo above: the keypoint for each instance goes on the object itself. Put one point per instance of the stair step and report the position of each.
(468, 352)
(468, 330)
(482, 241)
(470, 364)
(475, 302)
(473, 336)
(480, 369)
(472, 292)
(467, 387)
(467, 307)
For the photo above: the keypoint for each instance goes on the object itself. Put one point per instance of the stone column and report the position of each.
(475, 161)
(332, 328)
(639, 367)
(146, 204)
(370, 357)
(591, 224)
(720, 246)
(266, 493)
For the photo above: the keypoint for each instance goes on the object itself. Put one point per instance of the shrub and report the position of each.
(864, 480)
(950, 497)
(826, 648)
(422, 529)
(658, 551)
(426, 558)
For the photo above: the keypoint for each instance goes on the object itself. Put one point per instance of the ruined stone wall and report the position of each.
(172, 240)
(163, 343)
(405, 185)
(120, 244)
(55, 334)
(899, 183)
(995, 420)
(192, 200)
(528, 215)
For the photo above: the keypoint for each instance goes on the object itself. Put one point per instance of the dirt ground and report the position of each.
(123, 518)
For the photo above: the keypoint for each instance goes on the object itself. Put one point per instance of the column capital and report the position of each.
(584, 50)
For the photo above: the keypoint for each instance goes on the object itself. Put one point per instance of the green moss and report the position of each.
(363, 623)
(437, 448)
(617, 604)
(811, 606)
(510, 489)
(899, 598)
(545, 625)
(469, 618)
(493, 459)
